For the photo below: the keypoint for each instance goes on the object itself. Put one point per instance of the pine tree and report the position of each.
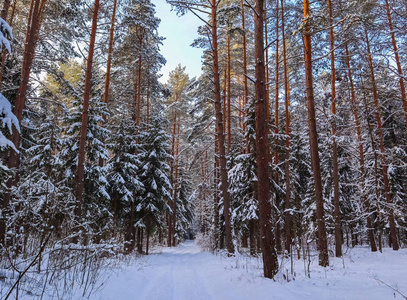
(270, 263)
(322, 239)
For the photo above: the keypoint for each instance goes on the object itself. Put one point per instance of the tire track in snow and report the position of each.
(159, 284)
(188, 284)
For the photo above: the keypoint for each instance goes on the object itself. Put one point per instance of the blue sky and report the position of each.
(179, 32)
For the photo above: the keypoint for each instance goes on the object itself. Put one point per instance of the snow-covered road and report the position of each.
(178, 274)
(184, 272)
(188, 273)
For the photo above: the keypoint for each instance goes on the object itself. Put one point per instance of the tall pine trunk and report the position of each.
(287, 206)
(172, 168)
(266, 52)
(270, 263)
(313, 137)
(109, 65)
(229, 79)
(109, 54)
(245, 88)
(174, 214)
(221, 135)
(276, 123)
(399, 67)
(337, 214)
(85, 114)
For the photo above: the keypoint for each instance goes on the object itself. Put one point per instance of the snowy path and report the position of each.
(187, 273)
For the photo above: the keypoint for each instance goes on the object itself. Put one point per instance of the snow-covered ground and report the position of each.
(187, 273)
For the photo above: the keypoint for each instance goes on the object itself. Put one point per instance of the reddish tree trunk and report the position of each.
(148, 103)
(216, 193)
(4, 11)
(276, 123)
(252, 237)
(313, 137)
(85, 113)
(245, 89)
(172, 164)
(224, 103)
(399, 68)
(270, 263)
(229, 95)
(174, 217)
(139, 89)
(148, 238)
(266, 64)
(109, 54)
(221, 136)
(287, 214)
(337, 215)
(109, 65)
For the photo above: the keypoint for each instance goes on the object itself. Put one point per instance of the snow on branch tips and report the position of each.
(6, 35)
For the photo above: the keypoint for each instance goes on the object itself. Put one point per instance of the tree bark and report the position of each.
(276, 124)
(225, 100)
(174, 218)
(109, 65)
(138, 113)
(85, 113)
(4, 11)
(266, 64)
(270, 263)
(216, 201)
(252, 237)
(148, 104)
(313, 137)
(109, 54)
(172, 168)
(399, 68)
(287, 213)
(277, 88)
(221, 136)
(229, 126)
(337, 213)
(245, 88)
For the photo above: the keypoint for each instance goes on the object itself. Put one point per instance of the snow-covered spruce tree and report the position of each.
(7, 121)
(242, 178)
(43, 200)
(96, 198)
(124, 186)
(153, 173)
(185, 206)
